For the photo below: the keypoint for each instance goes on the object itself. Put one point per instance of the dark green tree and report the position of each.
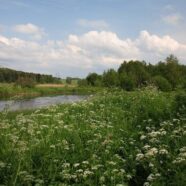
(162, 83)
(111, 78)
(94, 79)
(126, 82)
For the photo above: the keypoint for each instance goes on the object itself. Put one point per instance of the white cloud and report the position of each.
(158, 44)
(94, 24)
(30, 29)
(92, 51)
(173, 19)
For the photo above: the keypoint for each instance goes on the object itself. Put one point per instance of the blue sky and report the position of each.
(75, 37)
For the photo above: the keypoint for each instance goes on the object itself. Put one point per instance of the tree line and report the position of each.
(166, 76)
(12, 76)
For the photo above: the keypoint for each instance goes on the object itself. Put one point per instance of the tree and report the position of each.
(82, 82)
(110, 78)
(69, 80)
(162, 83)
(137, 71)
(126, 82)
(94, 79)
(172, 59)
(25, 82)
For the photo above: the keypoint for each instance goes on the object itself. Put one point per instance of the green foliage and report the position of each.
(94, 79)
(172, 59)
(11, 91)
(68, 80)
(82, 82)
(136, 70)
(25, 82)
(110, 78)
(180, 102)
(137, 74)
(114, 138)
(162, 83)
(126, 82)
(11, 76)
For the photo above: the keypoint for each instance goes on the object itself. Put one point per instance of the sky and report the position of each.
(76, 37)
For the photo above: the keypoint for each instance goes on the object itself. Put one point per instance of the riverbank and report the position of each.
(9, 91)
(115, 138)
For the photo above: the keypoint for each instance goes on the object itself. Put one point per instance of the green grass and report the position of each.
(114, 138)
(9, 91)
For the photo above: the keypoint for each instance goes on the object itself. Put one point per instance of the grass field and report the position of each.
(114, 138)
(9, 91)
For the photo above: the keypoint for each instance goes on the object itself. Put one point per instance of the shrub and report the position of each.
(180, 102)
(25, 82)
(82, 82)
(110, 78)
(126, 82)
(162, 83)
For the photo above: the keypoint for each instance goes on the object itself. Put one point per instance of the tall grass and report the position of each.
(114, 138)
(10, 91)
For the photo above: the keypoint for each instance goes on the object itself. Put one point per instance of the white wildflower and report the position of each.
(139, 156)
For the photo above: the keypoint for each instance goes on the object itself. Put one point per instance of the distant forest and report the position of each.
(11, 76)
(166, 76)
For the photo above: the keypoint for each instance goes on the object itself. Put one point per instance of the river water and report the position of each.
(39, 102)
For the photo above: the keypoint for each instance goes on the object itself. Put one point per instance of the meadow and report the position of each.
(115, 138)
(11, 91)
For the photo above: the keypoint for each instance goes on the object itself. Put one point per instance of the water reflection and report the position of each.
(39, 102)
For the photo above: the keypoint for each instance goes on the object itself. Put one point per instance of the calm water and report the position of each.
(39, 102)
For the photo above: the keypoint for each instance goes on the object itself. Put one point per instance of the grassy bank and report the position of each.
(9, 91)
(115, 138)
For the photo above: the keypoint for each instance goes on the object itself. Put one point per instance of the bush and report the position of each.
(180, 102)
(93, 79)
(82, 82)
(110, 78)
(25, 82)
(126, 82)
(162, 83)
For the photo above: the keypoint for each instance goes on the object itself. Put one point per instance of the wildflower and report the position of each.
(102, 179)
(183, 149)
(87, 173)
(154, 134)
(139, 156)
(66, 165)
(146, 147)
(151, 165)
(115, 170)
(122, 170)
(146, 184)
(85, 162)
(129, 176)
(163, 151)
(142, 137)
(151, 152)
(52, 146)
(79, 171)
(76, 165)
(111, 163)
(2, 164)
(150, 177)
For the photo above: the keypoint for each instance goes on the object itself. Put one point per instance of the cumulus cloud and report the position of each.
(92, 51)
(94, 24)
(173, 19)
(30, 29)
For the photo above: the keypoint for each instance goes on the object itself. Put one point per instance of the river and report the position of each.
(39, 102)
